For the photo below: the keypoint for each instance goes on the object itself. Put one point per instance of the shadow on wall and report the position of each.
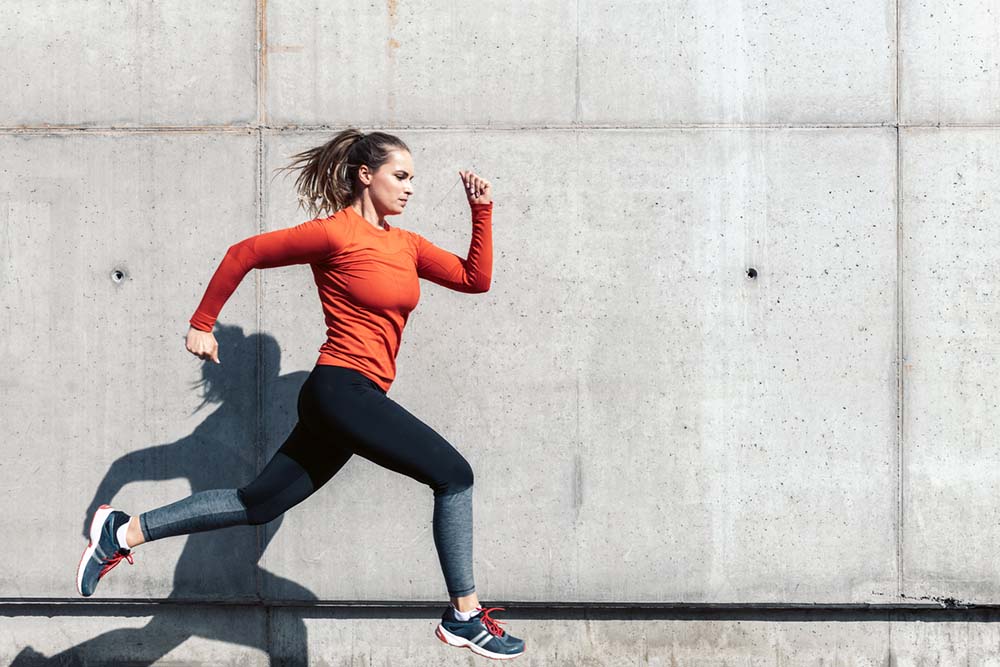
(220, 560)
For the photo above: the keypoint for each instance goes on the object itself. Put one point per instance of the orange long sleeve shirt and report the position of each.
(367, 280)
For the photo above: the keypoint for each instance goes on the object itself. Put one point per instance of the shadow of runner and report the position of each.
(212, 457)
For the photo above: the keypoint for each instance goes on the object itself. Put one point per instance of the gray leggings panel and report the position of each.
(453, 540)
(205, 510)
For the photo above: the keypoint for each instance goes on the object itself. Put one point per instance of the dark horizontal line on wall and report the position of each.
(194, 129)
(947, 611)
(278, 129)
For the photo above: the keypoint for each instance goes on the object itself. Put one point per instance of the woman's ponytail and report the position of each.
(328, 180)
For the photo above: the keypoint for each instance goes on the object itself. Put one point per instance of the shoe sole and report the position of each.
(454, 640)
(95, 536)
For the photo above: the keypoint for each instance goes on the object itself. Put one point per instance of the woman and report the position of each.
(367, 274)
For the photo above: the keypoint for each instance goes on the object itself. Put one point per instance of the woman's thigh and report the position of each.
(297, 470)
(354, 413)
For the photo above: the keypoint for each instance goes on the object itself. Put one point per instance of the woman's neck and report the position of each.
(371, 216)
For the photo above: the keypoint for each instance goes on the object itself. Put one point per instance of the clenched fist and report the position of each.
(477, 189)
(202, 344)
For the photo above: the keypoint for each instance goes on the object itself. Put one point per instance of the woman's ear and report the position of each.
(364, 175)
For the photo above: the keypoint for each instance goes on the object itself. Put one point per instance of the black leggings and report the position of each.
(341, 413)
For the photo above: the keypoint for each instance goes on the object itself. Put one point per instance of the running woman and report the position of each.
(367, 274)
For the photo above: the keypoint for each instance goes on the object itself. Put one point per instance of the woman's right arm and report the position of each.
(306, 243)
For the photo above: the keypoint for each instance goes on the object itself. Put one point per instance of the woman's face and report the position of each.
(391, 186)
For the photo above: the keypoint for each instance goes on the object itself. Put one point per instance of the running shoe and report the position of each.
(482, 634)
(103, 552)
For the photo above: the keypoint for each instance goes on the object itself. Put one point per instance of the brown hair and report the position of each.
(328, 180)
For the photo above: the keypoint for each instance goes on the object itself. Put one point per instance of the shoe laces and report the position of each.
(112, 562)
(492, 624)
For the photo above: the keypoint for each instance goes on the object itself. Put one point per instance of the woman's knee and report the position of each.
(460, 477)
(280, 485)
(248, 504)
(259, 510)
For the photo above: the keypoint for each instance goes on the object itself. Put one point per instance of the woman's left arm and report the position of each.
(471, 275)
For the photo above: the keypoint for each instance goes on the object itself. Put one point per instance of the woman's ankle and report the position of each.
(134, 535)
(466, 603)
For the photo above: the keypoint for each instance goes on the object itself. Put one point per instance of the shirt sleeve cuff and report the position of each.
(201, 322)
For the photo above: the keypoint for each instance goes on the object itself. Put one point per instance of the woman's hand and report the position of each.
(477, 189)
(202, 344)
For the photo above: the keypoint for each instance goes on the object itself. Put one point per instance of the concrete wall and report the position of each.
(648, 423)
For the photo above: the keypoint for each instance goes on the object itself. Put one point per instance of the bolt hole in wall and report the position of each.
(117, 275)
(751, 273)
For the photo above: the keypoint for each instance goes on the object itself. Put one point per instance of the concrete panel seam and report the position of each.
(576, 83)
(492, 127)
(896, 70)
(900, 358)
(921, 603)
(822, 613)
(112, 130)
(900, 361)
(261, 61)
(259, 439)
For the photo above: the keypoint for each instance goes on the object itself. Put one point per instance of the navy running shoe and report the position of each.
(482, 634)
(103, 552)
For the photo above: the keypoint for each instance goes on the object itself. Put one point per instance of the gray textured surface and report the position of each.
(646, 422)
(99, 401)
(77, 63)
(357, 637)
(949, 56)
(950, 241)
